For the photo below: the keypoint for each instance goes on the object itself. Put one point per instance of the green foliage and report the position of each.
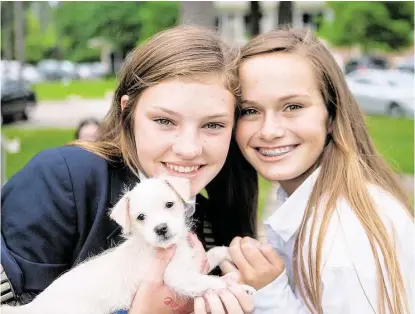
(372, 25)
(157, 16)
(120, 24)
(37, 41)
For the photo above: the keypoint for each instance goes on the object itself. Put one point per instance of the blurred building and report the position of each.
(232, 17)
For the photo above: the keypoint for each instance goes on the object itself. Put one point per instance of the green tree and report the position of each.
(371, 25)
(38, 41)
(121, 24)
(156, 16)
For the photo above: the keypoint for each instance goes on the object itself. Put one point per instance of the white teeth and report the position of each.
(182, 169)
(276, 151)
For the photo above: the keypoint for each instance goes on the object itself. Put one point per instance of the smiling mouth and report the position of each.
(182, 170)
(276, 152)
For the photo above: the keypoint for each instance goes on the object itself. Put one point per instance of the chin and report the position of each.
(283, 175)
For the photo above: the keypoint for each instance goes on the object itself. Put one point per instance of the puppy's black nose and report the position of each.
(161, 229)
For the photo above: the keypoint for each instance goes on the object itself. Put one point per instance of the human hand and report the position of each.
(163, 299)
(233, 300)
(258, 264)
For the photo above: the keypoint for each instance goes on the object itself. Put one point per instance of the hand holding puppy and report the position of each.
(155, 297)
(259, 264)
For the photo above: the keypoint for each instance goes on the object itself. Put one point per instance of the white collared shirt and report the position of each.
(348, 273)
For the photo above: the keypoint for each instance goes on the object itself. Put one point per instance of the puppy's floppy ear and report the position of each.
(121, 213)
(180, 185)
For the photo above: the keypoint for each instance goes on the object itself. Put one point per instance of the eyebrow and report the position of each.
(289, 96)
(215, 116)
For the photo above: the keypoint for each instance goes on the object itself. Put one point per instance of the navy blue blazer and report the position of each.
(55, 214)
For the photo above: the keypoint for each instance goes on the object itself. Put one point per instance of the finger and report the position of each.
(253, 254)
(200, 306)
(271, 255)
(214, 302)
(227, 267)
(230, 302)
(161, 260)
(238, 257)
(244, 299)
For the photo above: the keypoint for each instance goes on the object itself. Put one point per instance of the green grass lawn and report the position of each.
(32, 142)
(393, 138)
(85, 89)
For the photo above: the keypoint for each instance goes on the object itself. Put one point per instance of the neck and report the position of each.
(289, 186)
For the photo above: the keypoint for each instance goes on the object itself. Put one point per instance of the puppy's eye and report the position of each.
(169, 204)
(141, 217)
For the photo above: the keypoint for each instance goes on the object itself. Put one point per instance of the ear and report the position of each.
(181, 185)
(121, 213)
(190, 209)
(124, 101)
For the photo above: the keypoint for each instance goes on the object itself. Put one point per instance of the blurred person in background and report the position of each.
(173, 111)
(88, 130)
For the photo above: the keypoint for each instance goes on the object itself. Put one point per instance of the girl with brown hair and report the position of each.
(341, 237)
(173, 111)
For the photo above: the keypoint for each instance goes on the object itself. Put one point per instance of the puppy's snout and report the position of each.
(161, 229)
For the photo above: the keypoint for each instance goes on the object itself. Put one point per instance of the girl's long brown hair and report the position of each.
(188, 53)
(349, 161)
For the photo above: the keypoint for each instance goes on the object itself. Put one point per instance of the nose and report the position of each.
(187, 144)
(161, 229)
(272, 128)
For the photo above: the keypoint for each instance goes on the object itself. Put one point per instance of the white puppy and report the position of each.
(152, 216)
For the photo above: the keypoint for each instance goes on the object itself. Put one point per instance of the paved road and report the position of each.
(65, 114)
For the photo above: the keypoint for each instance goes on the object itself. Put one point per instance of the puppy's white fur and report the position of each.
(108, 282)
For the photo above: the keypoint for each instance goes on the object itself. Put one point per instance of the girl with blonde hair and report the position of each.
(341, 237)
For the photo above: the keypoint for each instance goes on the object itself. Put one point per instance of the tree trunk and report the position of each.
(7, 26)
(285, 13)
(19, 35)
(200, 13)
(255, 17)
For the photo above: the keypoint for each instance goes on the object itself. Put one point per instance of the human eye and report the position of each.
(163, 121)
(292, 107)
(249, 112)
(213, 126)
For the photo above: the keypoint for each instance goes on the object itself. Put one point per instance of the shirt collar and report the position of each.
(286, 220)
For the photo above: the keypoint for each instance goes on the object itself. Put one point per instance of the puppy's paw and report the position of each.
(217, 255)
(217, 284)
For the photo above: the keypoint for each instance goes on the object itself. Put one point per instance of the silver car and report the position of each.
(383, 92)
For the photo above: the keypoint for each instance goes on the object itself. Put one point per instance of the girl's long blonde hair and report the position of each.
(349, 161)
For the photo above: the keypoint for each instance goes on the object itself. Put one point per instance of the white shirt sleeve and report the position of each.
(342, 294)
(277, 297)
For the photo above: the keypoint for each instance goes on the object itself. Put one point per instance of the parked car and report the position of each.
(17, 100)
(366, 62)
(56, 70)
(93, 70)
(11, 68)
(407, 66)
(380, 92)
